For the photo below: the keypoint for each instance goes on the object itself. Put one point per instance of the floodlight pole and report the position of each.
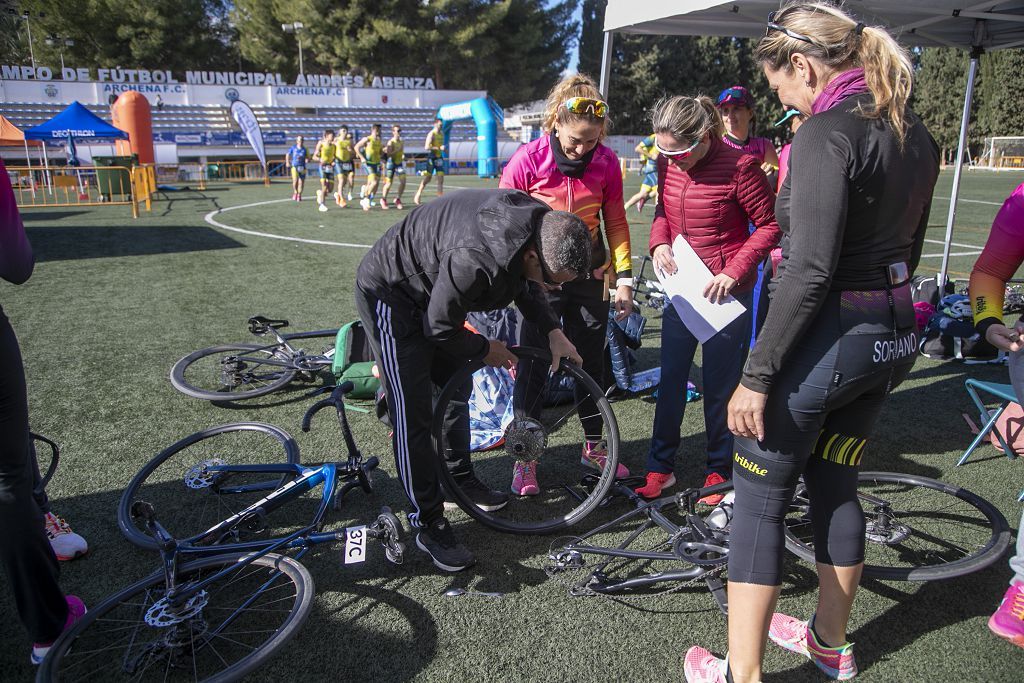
(296, 28)
(606, 63)
(972, 72)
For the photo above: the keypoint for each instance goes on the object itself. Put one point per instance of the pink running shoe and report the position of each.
(76, 610)
(524, 478)
(700, 666)
(656, 482)
(1008, 620)
(595, 455)
(797, 636)
(398, 204)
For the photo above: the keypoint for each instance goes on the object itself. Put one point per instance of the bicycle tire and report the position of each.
(165, 495)
(148, 644)
(990, 536)
(562, 519)
(276, 379)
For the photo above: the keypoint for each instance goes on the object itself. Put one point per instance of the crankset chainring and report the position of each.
(161, 614)
(886, 532)
(199, 475)
(704, 553)
(525, 438)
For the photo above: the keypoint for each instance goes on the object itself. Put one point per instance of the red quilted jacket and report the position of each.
(711, 206)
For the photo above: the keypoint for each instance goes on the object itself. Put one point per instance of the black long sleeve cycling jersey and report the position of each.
(459, 253)
(854, 202)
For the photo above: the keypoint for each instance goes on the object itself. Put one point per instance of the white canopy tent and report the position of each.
(973, 26)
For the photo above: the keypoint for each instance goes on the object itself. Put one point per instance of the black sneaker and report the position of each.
(438, 540)
(483, 497)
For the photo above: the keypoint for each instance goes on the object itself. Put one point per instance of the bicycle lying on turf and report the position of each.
(224, 614)
(917, 529)
(232, 372)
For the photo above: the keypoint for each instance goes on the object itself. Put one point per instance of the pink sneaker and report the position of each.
(595, 455)
(1008, 620)
(76, 610)
(700, 666)
(797, 636)
(524, 478)
(656, 482)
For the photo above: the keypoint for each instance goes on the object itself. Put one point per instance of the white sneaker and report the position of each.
(365, 203)
(322, 208)
(66, 544)
(350, 195)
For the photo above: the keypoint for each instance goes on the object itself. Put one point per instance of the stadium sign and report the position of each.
(229, 78)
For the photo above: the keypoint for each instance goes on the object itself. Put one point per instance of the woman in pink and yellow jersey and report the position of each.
(570, 170)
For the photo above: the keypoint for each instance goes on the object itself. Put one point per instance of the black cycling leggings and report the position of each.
(820, 411)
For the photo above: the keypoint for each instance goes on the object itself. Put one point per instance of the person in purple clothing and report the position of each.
(28, 559)
(736, 106)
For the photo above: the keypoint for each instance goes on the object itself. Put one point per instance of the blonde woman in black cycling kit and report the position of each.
(840, 332)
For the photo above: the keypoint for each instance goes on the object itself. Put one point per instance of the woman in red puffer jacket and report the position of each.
(709, 193)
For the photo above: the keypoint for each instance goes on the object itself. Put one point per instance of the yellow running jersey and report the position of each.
(397, 150)
(326, 153)
(373, 150)
(343, 150)
(436, 143)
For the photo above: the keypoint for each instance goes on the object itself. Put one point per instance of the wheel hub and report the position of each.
(199, 476)
(886, 532)
(525, 439)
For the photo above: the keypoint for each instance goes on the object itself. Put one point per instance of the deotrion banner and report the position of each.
(246, 120)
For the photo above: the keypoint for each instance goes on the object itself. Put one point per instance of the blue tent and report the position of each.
(75, 122)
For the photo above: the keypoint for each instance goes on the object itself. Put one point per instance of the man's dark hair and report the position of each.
(564, 242)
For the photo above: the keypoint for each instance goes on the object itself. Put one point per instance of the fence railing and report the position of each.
(83, 186)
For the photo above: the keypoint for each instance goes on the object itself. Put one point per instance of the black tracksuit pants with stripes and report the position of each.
(411, 367)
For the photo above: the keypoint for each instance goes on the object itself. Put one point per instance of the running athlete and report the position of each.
(476, 250)
(840, 333)
(395, 166)
(1002, 256)
(434, 145)
(324, 153)
(369, 150)
(343, 160)
(648, 171)
(295, 159)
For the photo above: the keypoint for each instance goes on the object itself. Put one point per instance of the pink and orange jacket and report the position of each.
(711, 205)
(597, 195)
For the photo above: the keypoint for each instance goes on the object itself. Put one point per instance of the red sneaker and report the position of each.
(656, 482)
(715, 498)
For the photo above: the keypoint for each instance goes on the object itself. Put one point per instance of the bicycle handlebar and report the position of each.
(337, 399)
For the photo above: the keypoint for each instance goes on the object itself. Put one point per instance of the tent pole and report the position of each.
(31, 178)
(46, 174)
(606, 63)
(972, 71)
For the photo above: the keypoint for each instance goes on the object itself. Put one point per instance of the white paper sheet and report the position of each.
(685, 289)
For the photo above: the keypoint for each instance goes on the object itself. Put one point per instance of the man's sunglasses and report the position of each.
(587, 105)
(678, 153)
(772, 26)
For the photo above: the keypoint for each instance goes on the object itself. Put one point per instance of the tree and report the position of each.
(1002, 80)
(592, 37)
(938, 96)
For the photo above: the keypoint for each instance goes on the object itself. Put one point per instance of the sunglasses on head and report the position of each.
(587, 105)
(734, 94)
(678, 153)
(772, 26)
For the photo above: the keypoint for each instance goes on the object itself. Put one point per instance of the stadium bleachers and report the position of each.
(415, 122)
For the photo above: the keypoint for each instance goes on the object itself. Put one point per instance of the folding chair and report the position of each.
(1005, 393)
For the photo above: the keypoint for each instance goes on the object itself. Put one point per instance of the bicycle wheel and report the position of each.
(535, 428)
(189, 499)
(232, 372)
(221, 633)
(918, 529)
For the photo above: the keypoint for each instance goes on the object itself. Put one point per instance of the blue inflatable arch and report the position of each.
(487, 115)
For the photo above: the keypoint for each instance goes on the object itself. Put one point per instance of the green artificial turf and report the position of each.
(115, 301)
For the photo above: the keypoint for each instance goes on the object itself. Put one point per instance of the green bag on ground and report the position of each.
(353, 361)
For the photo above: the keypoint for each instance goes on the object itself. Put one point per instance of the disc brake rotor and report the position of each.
(199, 475)
(162, 614)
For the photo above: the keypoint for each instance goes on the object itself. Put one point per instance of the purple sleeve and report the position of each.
(16, 260)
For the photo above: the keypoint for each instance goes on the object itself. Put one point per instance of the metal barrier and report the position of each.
(189, 172)
(82, 186)
(236, 172)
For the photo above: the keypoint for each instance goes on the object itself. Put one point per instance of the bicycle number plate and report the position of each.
(355, 544)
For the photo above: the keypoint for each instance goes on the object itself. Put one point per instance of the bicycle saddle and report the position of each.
(259, 324)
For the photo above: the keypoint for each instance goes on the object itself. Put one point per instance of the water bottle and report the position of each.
(722, 514)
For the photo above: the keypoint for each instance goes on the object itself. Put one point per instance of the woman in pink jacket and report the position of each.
(709, 194)
(570, 170)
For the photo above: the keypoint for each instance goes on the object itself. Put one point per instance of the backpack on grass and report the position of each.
(353, 361)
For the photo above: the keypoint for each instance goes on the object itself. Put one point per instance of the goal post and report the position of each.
(1003, 152)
